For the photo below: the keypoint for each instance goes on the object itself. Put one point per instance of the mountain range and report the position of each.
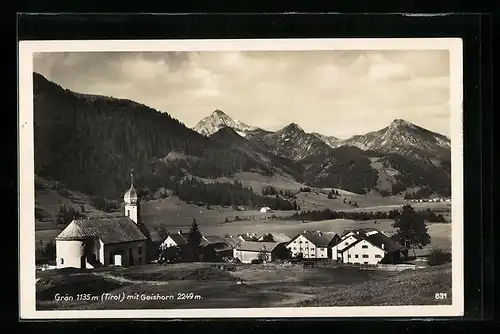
(399, 137)
(90, 142)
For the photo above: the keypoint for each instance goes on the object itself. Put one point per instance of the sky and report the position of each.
(335, 93)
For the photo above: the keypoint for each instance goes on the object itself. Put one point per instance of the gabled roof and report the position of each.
(109, 230)
(363, 230)
(257, 246)
(380, 239)
(232, 241)
(211, 239)
(319, 239)
(247, 237)
(377, 239)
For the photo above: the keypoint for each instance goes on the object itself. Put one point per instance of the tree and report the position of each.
(411, 230)
(194, 240)
(263, 255)
(170, 254)
(268, 238)
(438, 257)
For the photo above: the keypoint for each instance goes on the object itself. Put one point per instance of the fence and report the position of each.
(382, 267)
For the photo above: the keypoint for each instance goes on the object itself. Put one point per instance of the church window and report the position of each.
(128, 213)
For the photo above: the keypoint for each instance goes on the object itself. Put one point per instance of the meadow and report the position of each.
(206, 285)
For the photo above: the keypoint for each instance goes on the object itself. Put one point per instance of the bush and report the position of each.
(438, 257)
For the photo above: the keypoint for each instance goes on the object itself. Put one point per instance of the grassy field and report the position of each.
(178, 215)
(175, 214)
(204, 285)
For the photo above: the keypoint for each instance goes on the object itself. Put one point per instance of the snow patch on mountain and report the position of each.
(217, 120)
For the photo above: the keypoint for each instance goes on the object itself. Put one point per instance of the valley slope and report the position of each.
(90, 143)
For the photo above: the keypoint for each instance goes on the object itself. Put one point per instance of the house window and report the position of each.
(61, 261)
(365, 262)
(128, 213)
(346, 243)
(312, 249)
(364, 246)
(378, 256)
(356, 256)
(294, 248)
(365, 256)
(139, 250)
(349, 255)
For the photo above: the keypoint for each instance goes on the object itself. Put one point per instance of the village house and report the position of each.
(104, 241)
(367, 247)
(248, 237)
(232, 241)
(216, 248)
(313, 244)
(178, 239)
(246, 251)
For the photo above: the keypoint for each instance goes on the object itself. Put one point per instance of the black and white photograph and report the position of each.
(241, 178)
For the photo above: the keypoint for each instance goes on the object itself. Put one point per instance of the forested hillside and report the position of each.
(346, 168)
(91, 142)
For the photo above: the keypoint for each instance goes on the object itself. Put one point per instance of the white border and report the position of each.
(26, 172)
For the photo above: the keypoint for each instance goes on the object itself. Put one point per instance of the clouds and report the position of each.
(338, 93)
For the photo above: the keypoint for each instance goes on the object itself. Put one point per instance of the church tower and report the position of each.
(132, 202)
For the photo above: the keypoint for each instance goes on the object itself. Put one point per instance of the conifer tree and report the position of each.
(194, 240)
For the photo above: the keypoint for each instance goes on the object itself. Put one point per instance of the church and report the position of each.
(105, 241)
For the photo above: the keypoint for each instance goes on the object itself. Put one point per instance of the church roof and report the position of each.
(110, 230)
(131, 195)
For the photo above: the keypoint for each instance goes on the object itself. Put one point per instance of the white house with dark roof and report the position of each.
(367, 247)
(313, 244)
(178, 239)
(104, 241)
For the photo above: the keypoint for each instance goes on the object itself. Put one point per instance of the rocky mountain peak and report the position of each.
(219, 119)
(293, 127)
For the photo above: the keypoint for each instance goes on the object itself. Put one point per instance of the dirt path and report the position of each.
(126, 280)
